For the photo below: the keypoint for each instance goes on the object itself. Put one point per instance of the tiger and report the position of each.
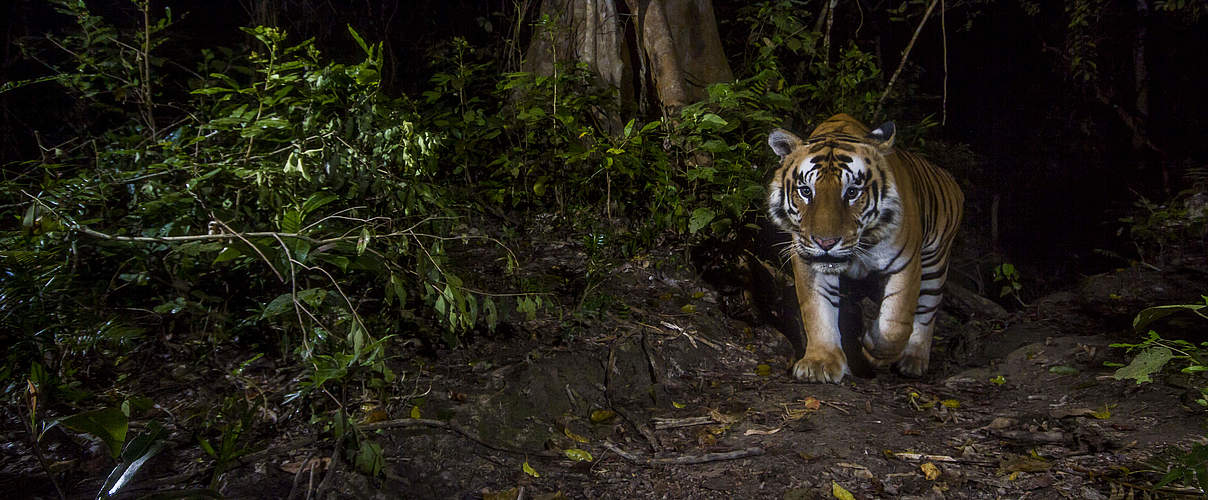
(856, 208)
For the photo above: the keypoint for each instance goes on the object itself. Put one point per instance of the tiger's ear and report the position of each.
(883, 136)
(783, 142)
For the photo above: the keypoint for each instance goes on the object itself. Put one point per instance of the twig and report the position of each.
(673, 423)
(685, 459)
(905, 55)
(941, 458)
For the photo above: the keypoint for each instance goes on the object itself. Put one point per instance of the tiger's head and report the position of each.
(834, 192)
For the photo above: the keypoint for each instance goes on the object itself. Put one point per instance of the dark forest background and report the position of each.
(323, 183)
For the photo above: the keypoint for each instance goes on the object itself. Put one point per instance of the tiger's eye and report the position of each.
(805, 192)
(852, 193)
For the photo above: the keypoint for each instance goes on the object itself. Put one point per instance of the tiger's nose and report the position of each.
(826, 243)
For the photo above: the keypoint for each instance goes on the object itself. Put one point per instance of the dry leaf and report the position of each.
(599, 416)
(377, 415)
(508, 494)
(930, 471)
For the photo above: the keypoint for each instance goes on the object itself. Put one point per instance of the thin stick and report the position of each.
(905, 55)
(672, 423)
(685, 459)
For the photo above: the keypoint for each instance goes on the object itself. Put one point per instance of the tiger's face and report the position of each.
(833, 193)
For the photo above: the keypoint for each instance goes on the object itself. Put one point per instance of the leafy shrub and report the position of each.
(288, 194)
(1152, 355)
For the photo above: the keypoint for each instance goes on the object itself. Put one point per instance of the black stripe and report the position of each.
(933, 275)
(925, 310)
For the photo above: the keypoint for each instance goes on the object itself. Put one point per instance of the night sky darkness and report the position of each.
(1062, 166)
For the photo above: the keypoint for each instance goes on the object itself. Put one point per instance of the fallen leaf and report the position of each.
(577, 455)
(688, 308)
(763, 370)
(598, 416)
(574, 436)
(811, 403)
(998, 380)
(528, 469)
(1023, 463)
(722, 418)
(678, 405)
(758, 432)
(840, 492)
(930, 471)
(1000, 423)
(415, 412)
(951, 403)
(508, 494)
(376, 415)
(1103, 414)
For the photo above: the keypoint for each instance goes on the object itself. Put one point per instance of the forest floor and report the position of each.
(673, 394)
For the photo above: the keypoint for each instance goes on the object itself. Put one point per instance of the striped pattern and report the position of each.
(858, 208)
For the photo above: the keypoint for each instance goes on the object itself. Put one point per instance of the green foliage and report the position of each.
(287, 196)
(273, 198)
(1008, 277)
(1153, 354)
(1163, 230)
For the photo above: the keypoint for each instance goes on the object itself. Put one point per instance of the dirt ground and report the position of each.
(675, 391)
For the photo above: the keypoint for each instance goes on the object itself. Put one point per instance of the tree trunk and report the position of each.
(678, 47)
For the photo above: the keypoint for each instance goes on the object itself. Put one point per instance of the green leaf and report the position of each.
(369, 458)
(1147, 316)
(840, 492)
(360, 41)
(710, 121)
(315, 202)
(228, 253)
(528, 469)
(285, 302)
(578, 455)
(142, 448)
(108, 424)
(699, 219)
(1148, 362)
(363, 241)
(291, 221)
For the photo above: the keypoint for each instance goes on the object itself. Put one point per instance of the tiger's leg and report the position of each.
(818, 298)
(917, 353)
(890, 334)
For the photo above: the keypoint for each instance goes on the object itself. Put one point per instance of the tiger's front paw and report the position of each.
(822, 366)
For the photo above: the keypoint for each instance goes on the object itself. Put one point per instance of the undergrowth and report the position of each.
(271, 200)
